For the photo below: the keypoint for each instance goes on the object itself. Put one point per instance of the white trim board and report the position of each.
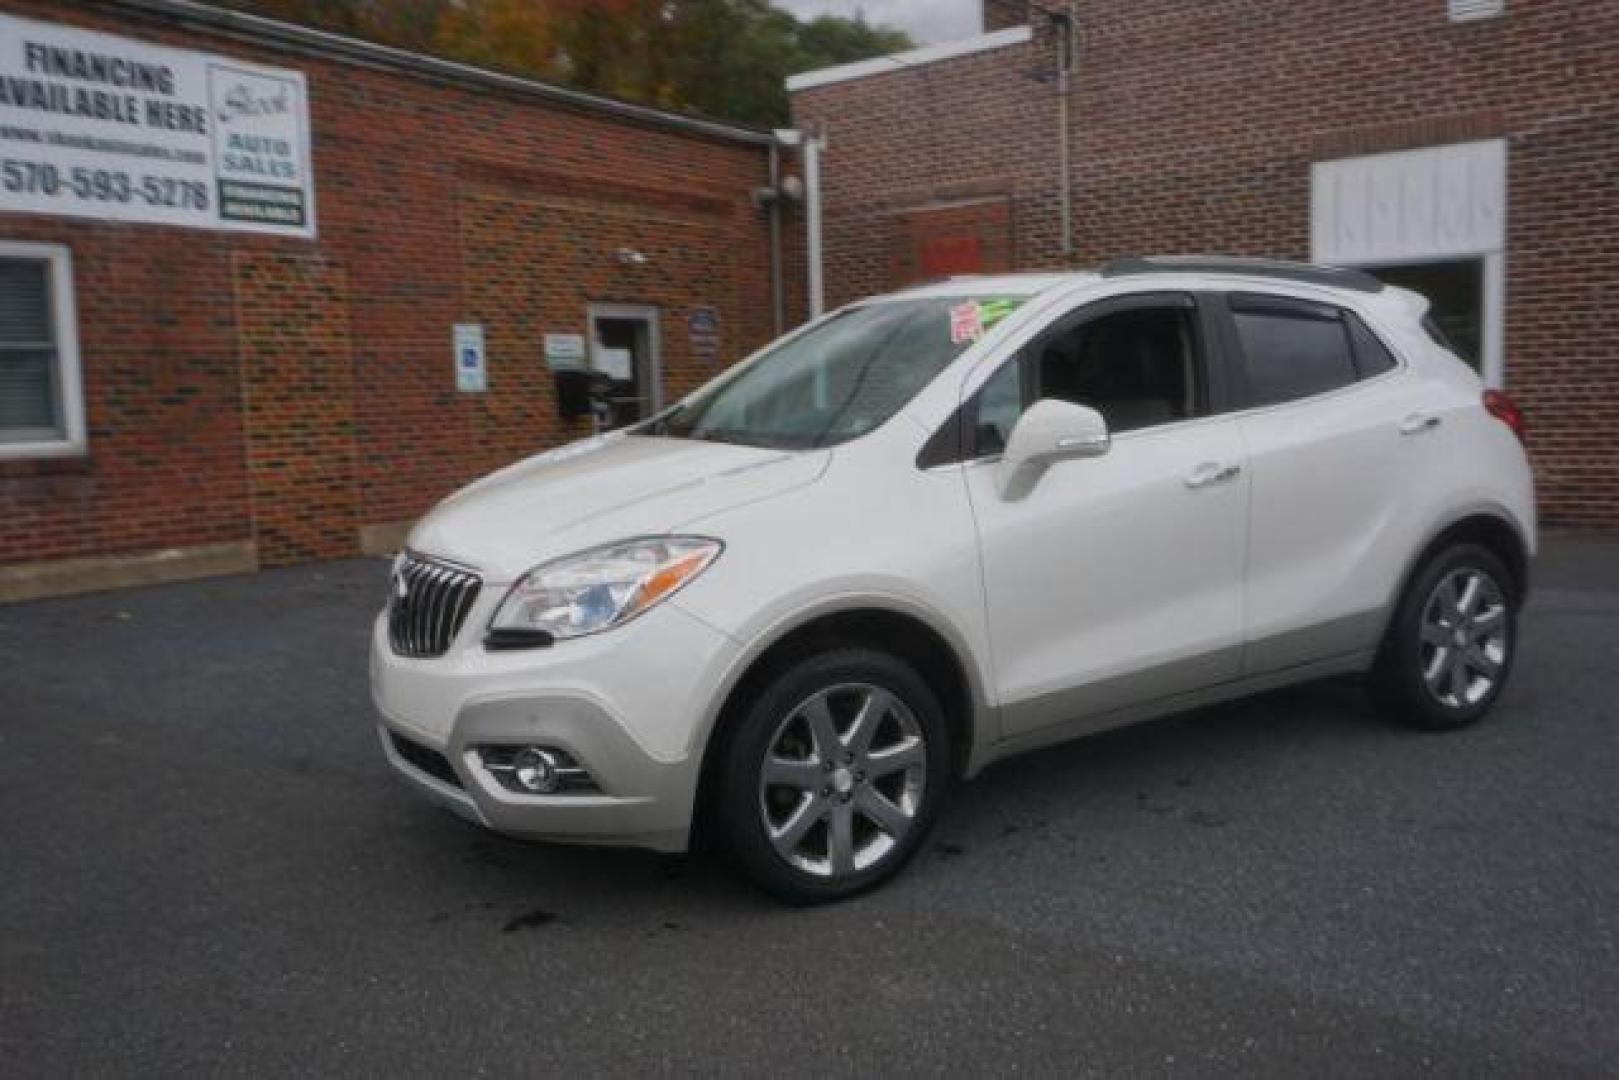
(1434, 204)
(927, 54)
(1410, 205)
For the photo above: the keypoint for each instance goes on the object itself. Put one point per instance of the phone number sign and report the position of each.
(94, 125)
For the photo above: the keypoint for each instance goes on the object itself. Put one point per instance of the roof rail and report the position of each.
(1308, 273)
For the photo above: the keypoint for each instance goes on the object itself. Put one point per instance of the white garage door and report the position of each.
(1433, 220)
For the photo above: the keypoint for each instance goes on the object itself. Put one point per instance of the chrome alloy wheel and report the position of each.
(842, 779)
(1464, 638)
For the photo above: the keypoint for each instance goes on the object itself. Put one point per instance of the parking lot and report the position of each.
(208, 869)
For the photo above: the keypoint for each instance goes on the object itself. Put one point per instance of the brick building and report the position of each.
(361, 307)
(1469, 148)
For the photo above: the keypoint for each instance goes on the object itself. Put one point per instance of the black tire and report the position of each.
(775, 719)
(1409, 651)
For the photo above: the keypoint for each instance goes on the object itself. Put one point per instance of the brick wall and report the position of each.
(953, 151)
(298, 401)
(1194, 127)
(291, 392)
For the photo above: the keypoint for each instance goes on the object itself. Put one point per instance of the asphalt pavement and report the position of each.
(205, 868)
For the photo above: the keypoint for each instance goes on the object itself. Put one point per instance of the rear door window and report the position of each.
(1291, 349)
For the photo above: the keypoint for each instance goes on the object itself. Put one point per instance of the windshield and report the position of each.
(840, 380)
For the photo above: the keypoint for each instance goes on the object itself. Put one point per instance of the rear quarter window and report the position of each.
(1372, 357)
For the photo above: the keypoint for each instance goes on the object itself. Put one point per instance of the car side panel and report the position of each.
(1115, 580)
(1337, 504)
(874, 532)
(1349, 486)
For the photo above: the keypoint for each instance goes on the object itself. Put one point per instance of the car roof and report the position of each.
(1028, 284)
(1343, 285)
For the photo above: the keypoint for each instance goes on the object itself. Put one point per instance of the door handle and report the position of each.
(1212, 472)
(1417, 423)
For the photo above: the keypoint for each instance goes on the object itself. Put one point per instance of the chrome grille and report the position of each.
(428, 600)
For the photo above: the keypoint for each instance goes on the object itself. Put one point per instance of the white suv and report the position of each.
(940, 527)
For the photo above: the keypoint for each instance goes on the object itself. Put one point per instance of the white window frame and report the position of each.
(1481, 233)
(646, 313)
(69, 373)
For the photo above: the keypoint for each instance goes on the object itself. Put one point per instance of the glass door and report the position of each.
(624, 360)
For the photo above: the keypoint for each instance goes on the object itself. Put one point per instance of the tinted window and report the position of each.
(996, 409)
(1291, 353)
(1372, 357)
(1137, 367)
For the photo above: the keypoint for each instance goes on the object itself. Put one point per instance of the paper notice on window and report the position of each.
(966, 323)
(616, 364)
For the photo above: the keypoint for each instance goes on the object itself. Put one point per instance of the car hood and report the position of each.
(597, 491)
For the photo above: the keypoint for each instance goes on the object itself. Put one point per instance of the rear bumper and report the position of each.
(625, 706)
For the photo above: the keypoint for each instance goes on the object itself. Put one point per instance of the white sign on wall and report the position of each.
(564, 352)
(470, 373)
(93, 125)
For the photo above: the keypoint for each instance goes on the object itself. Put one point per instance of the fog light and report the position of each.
(536, 770)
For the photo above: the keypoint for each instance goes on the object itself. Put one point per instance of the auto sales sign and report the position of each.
(93, 125)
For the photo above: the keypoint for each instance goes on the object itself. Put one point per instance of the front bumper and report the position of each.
(625, 704)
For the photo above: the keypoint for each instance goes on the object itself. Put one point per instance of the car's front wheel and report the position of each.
(833, 775)
(1451, 644)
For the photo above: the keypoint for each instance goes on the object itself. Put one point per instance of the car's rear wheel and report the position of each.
(1450, 647)
(833, 776)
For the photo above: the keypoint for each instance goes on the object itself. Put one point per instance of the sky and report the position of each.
(927, 21)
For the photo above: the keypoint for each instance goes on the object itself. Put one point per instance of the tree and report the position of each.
(827, 41)
(725, 58)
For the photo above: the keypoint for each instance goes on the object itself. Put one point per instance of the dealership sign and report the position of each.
(93, 125)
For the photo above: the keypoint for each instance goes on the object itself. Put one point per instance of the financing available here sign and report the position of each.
(94, 125)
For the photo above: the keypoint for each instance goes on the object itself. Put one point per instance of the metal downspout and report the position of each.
(778, 312)
(813, 145)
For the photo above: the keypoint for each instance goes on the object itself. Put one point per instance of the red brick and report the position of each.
(242, 386)
(1194, 126)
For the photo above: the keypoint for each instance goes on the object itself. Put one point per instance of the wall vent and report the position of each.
(1473, 10)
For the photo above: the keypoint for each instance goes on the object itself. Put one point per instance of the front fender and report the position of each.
(769, 628)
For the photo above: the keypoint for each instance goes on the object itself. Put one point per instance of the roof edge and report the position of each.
(927, 54)
(325, 43)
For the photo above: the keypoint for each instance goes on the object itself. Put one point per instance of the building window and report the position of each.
(41, 399)
(1455, 289)
(1473, 10)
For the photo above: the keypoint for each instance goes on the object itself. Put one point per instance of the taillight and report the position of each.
(1498, 405)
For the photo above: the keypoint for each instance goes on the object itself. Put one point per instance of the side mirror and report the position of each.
(1049, 432)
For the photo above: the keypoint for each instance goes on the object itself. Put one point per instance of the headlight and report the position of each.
(601, 588)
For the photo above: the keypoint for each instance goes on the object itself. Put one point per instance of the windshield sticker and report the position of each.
(971, 318)
(966, 323)
(991, 312)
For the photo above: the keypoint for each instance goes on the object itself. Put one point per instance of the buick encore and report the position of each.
(937, 528)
